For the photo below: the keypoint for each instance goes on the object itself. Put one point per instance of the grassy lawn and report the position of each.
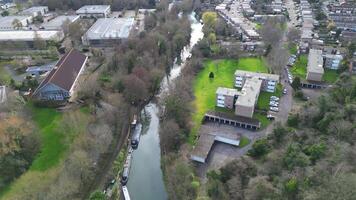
(300, 69)
(264, 98)
(293, 49)
(330, 76)
(4, 75)
(205, 88)
(52, 149)
(244, 141)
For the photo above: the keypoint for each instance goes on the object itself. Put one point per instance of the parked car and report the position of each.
(271, 117)
(274, 108)
(274, 104)
(274, 98)
(285, 91)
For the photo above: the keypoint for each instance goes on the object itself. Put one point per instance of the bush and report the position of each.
(259, 148)
(293, 120)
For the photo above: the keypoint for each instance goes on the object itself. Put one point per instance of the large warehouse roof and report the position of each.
(110, 28)
(30, 35)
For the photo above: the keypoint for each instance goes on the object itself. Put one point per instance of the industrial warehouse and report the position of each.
(108, 31)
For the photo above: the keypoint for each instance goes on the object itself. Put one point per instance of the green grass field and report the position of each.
(205, 88)
(300, 69)
(52, 149)
(244, 141)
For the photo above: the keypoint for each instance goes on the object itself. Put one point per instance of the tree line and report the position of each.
(311, 157)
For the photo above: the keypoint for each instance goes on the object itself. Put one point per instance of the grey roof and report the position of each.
(249, 93)
(7, 21)
(20, 35)
(35, 9)
(315, 61)
(226, 91)
(57, 22)
(109, 28)
(243, 73)
(93, 9)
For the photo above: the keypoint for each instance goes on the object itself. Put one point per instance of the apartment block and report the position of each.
(332, 61)
(315, 70)
(269, 81)
(248, 97)
(225, 97)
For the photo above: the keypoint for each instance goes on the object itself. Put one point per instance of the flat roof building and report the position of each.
(315, 70)
(225, 97)
(108, 31)
(29, 35)
(56, 23)
(269, 81)
(94, 11)
(247, 98)
(35, 11)
(8, 22)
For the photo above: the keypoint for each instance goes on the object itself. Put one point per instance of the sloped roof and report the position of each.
(66, 70)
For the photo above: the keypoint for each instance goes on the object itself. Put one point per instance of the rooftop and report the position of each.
(66, 70)
(226, 91)
(24, 35)
(7, 21)
(31, 10)
(249, 93)
(93, 9)
(108, 28)
(315, 61)
(57, 22)
(243, 73)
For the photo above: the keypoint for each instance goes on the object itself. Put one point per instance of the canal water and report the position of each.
(146, 178)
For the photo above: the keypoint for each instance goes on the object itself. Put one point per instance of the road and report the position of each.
(2, 94)
(292, 11)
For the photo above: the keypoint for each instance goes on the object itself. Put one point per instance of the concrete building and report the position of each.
(29, 36)
(94, 11)
(248, 97)
(8, 22)
(315, 70)
(35, 11)
(56, 23)
(58, 86)
(332, 61)
(269, 81)
(225, 97)
(108, 31)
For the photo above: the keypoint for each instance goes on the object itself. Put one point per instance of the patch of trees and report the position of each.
(312, 157)
(19, 141)
(138, 65)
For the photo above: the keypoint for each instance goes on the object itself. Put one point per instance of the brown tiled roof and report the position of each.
(65, 71)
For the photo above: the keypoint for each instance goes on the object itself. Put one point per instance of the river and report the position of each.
(146, 178)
